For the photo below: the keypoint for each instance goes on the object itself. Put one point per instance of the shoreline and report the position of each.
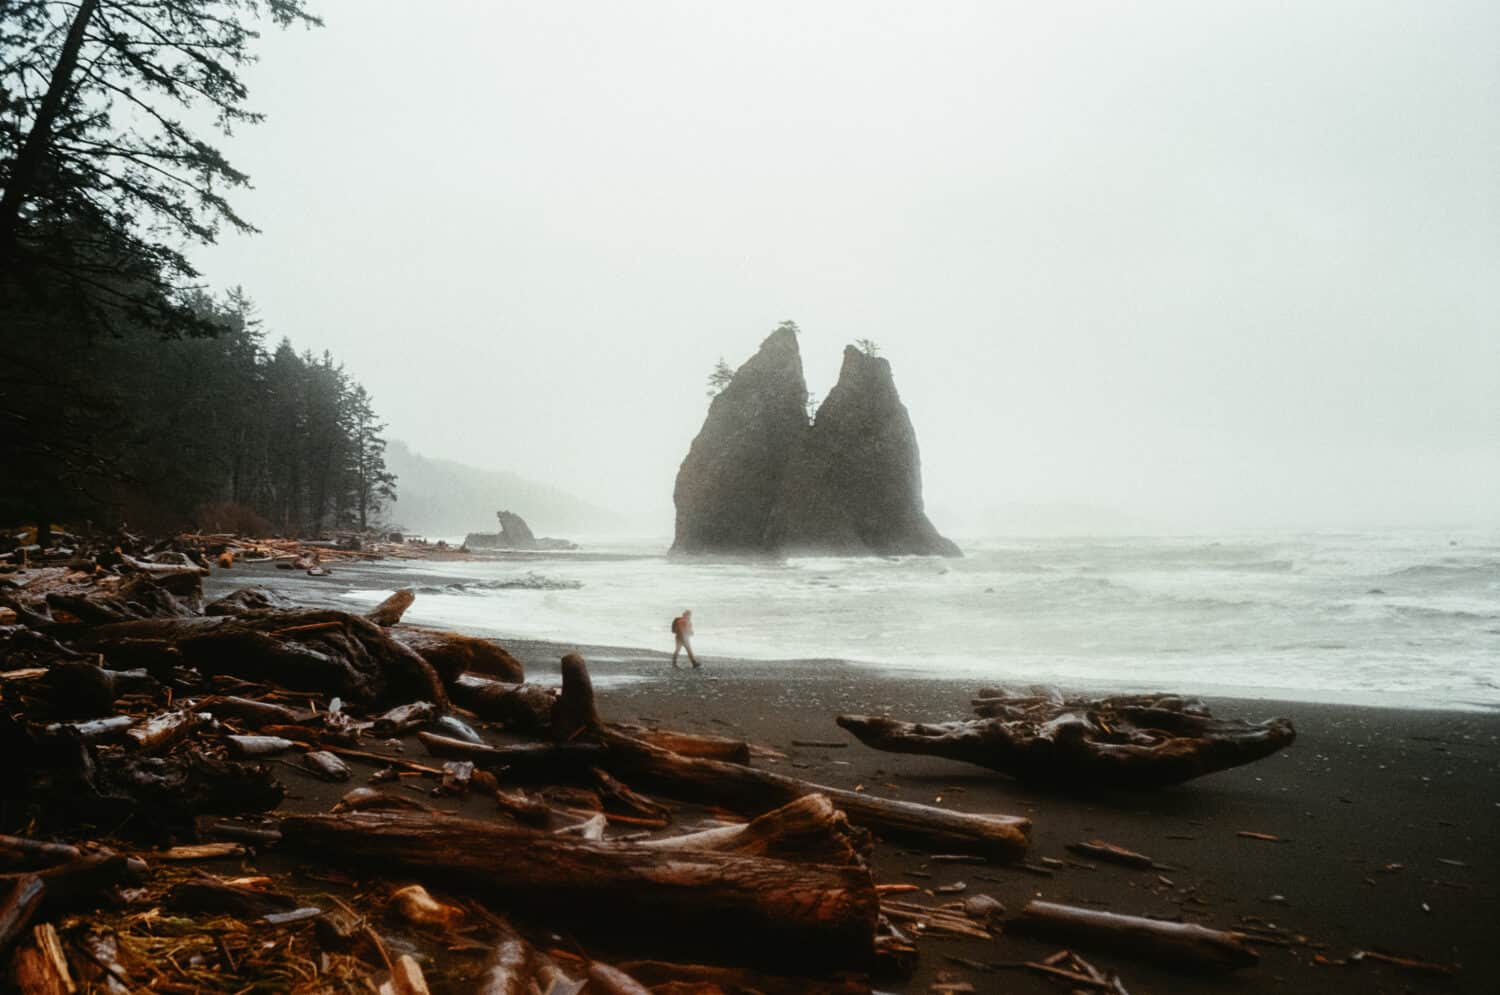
(1385, 818)
(388, 576)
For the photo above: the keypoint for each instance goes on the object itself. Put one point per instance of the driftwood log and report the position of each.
(1174, 943)
(389, 611)
(332, 652)
(1042, 736)
(690, 744)
(809, 830)
(453, 654)
(735, 905)
(522, 708)
(753, 791)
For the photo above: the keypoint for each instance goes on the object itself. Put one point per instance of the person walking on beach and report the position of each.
(682, 631)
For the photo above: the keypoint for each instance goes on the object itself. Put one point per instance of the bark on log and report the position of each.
(689, 744)
(251, 712)
(453, 654)
(157, 732)
(92, 730)
(526, 760)
(1173, 943)
(1112, 742)
(406, 978)
(20, 852)
(23, 895)
(404, 718)
(77, 687)
(249, 599)
(41, 968)
(257, 746)
(574, 714)
(82, 879)
(740, 906)
(809, 829)
(101, 969)
(512, 966)
(523, 708)
(753, 791)
(613, 981)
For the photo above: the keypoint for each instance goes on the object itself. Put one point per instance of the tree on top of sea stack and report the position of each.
(759, 479)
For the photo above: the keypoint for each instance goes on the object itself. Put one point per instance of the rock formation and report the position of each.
(759, 479)
(731, 478)
(514, 534)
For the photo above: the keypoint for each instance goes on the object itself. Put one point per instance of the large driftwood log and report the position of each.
(574, 714)
(1129, 742)
(453, 654)
(753, 791)
(810, 830)
(523, 708)
(689, 744)
(389, 611)
(332, 652)
(738, 906)
(1175, 943)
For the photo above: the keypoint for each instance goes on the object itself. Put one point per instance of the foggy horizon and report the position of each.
(1182, 269)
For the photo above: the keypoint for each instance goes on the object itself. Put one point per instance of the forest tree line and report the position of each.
(128, 394)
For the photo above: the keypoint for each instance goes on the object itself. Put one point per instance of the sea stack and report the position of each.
(731, 479)
(759, 479)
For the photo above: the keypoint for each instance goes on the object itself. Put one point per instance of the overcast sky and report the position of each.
(1194, 264)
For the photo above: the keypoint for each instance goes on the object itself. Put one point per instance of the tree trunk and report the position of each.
(740, 907)
(28, 162)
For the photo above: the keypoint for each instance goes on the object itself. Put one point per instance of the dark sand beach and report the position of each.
(1387, 820)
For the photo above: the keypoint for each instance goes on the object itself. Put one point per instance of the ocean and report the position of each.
(1397, 618)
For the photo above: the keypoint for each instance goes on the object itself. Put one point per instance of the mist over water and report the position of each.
(1408, 618)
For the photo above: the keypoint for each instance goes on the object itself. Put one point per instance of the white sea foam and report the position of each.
(1321, 617)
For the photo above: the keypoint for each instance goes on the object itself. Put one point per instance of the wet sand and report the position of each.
(1388, 819)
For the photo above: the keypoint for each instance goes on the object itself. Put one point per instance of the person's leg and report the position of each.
(678, 649)
(688, 643)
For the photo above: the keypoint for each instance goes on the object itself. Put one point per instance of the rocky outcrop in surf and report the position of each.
(514, 534)
(731, 479)
(759, 479)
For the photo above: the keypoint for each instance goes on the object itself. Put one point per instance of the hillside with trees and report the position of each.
(128, 393)
(442, 497)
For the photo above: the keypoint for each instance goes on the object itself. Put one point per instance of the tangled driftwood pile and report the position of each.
(148, 718)
(164, 727)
